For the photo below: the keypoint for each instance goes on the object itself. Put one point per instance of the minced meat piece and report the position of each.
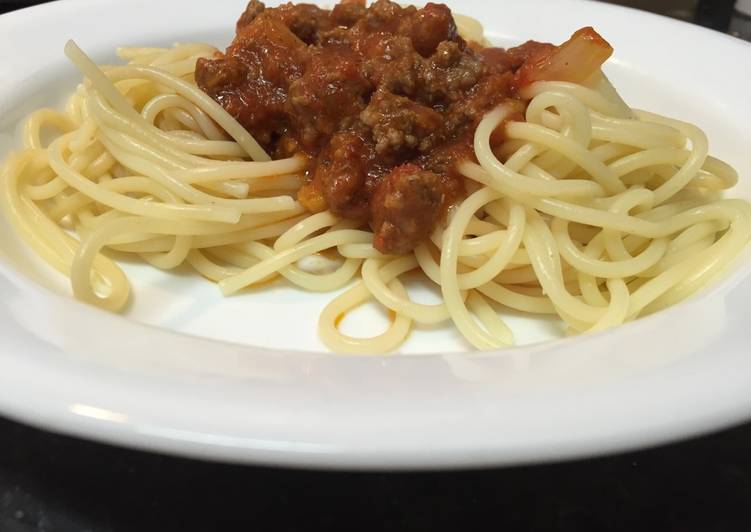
(254, 9)
(429, 27)
(342, 172)
(331, 91)
(400, 125)
(348, 12)
(405, 208)
(391, 62)
(306, 21)
(449, 73)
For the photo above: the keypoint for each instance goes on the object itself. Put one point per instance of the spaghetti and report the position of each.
(589, 210)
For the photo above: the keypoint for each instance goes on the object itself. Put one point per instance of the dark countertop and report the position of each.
(55, 483)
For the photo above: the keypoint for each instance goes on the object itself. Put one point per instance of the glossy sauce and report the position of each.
(383, 101)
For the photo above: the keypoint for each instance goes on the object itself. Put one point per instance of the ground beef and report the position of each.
(331, 91)
(447, 75)
(307, 21)
(345, 173)
(254, 9)
(383, 101)
(348, 12)
(390, 62)
(429, 27)
(406, 206)
(400, 126)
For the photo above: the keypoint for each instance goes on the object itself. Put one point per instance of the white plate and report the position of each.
(249, 382)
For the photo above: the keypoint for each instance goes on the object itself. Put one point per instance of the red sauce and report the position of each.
(383, 100)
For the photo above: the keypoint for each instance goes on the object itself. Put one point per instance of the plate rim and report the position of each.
(348, 453)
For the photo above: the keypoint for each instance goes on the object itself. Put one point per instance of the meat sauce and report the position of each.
(383, 101)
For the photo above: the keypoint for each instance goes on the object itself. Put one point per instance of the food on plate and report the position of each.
(343, 149)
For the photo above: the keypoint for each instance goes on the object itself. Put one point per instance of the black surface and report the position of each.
(54, 483)
(714, 14)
